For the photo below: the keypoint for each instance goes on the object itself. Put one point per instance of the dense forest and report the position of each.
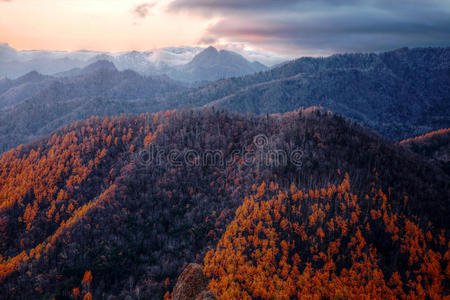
(401, 93)
(35, 105)
(99, 210)
(434, 145)
(327, 244)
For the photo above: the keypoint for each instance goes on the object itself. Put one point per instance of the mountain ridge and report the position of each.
(400, 94)
(95, 66)
(29, 110)
(211, 65)
(164, 61)
(389, 92)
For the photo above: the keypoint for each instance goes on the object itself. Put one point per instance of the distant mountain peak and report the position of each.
(210, 49)
(32, 73)
(99, 65)
(31, 76)
(211, 64)
(206, 55)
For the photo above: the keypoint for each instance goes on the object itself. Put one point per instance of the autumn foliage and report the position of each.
(48, 189)
(322, 244)
(79, 205)
(427, 136)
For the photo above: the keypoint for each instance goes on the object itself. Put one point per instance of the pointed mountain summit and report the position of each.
(32, 76)
(211, 64)
(209, 55)
(96, 66)
(99, 66)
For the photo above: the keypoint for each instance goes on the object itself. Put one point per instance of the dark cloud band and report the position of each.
(326, 25)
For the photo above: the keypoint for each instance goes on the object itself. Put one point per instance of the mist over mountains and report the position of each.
(176, 62)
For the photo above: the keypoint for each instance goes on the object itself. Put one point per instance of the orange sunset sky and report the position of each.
(105, 25)
(290, 27)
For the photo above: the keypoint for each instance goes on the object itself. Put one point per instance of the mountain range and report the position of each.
(400, 94)
(35, 105)
(319, 178)
(180, 63)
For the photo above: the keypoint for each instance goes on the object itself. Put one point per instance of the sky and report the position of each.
(286, 27)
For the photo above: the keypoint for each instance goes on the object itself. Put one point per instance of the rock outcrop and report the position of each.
(206, 295)
(191, 285)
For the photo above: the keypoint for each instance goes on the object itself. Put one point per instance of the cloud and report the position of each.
(143, 10)
(267, 58)
(324, 26)
(213, 6)
(208, 40)
(174, 55)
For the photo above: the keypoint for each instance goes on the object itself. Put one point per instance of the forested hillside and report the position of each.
(328, 243)
(35, 105)
(434, 145)
(401, 94)
(93, 211)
